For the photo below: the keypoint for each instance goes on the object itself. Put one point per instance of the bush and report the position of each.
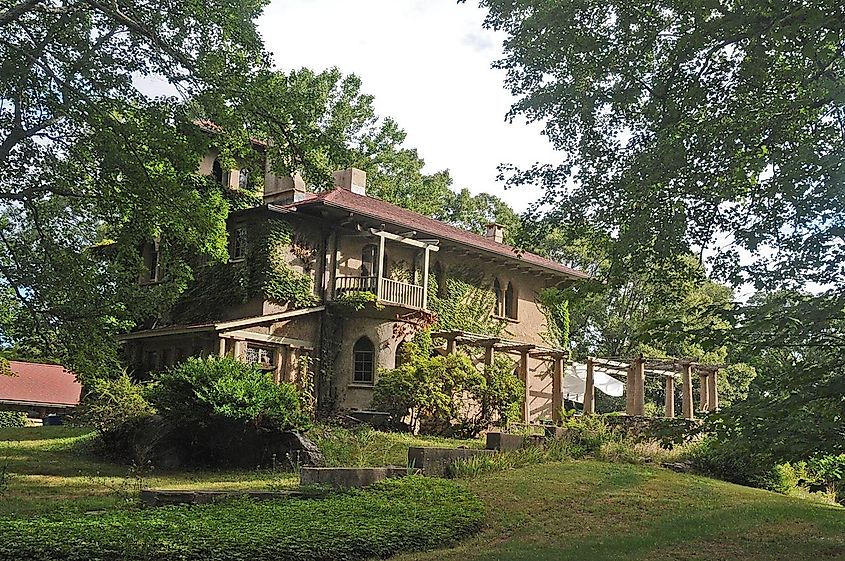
(447, 395)
(724, 460)
(12, 419)
(198, 392)
(412, 513)
(111, 403)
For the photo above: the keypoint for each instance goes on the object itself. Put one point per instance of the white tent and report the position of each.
(575, 382)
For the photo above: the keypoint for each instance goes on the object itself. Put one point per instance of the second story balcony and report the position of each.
(374, 274)
(388, 291)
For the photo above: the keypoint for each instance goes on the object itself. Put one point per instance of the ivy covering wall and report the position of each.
(265, 272)
(464, 303)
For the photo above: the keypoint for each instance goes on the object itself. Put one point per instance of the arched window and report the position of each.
(510, 302)
(364, 359)
(243, 178)
(498, 309)
(368, 260)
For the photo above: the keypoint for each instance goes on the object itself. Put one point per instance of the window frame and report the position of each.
(363, 353)
(240, 243)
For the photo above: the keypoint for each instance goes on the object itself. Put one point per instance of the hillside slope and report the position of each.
(592, 511)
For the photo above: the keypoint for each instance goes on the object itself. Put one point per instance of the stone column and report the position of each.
(704, 392)
(451, 345)
(630, 391)
(686, 402)
(590, 389)
(240, 350)
(278, 362)
(670, 397)
(523, 375)
(557, 388)
(290, 364)
(639, 374)
(713, 401)
(221, 346)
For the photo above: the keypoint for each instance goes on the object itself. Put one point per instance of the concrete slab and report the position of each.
(436, 461)
(346, 478)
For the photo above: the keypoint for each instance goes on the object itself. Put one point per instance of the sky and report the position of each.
(428, 64)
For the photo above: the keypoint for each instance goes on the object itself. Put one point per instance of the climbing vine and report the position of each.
(464, 303)
(555, 306)
(264, 272)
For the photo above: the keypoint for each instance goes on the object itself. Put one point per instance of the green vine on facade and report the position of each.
(356, 301)
(465, 303)
(555, 306)
(265, 272)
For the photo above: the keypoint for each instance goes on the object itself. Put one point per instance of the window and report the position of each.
(364, 355)
(498, 309)
(239, 242)
(510, 302)
(243, 178)
(368, 260)
(217, 171)
(259, 355)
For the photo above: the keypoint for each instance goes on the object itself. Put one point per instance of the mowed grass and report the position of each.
(50, 470)
(587, 510)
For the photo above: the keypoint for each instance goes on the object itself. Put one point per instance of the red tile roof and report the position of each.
(408, 220)
(39, 384)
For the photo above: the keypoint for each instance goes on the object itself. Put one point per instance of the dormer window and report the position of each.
(239, 243)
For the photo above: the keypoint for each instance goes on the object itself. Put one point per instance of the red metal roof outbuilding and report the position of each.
(39, 385)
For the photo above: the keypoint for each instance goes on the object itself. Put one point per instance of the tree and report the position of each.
(689, 126)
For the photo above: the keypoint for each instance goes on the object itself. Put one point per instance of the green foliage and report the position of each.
(464, 303)
(10, 419)
(111, 403)
(503, 394)
(447, 394)
(554, 304)
(398, 515)
(198, 391)
(356, 300)
(829, 471)
(5, 368)
(266, 272)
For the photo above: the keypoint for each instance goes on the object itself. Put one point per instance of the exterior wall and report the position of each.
(383, 334)
(398, 256)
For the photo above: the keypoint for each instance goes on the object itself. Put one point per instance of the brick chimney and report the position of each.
(283, 190)
(495, 232)
(351, 179)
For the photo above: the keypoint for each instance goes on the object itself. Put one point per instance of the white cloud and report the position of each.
(428, 66)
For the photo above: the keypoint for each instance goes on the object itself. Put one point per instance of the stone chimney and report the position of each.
(351, 179)
(495, 232)
(283, 190)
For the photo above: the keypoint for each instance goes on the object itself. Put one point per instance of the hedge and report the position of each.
(411, 513)
(12, 419)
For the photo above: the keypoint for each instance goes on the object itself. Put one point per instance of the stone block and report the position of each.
(503, 442)
(164, 497)
(436, 461)
(555, 432)
(345, 478)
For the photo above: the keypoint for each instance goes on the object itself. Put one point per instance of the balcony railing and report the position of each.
(392, 292)
(402, 294)
(355, 284)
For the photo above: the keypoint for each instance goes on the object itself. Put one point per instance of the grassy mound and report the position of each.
(412, 513)
(577, 510)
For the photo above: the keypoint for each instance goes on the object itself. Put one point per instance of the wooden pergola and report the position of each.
(636, 370)
(492, 345)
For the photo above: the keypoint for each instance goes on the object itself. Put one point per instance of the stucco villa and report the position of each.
(344, 243)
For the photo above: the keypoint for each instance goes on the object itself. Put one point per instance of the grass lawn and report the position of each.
(49, 469)
(595, 511)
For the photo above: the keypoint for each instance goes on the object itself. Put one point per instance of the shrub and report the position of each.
(446, 394)
(12, 419)
(113, 402)
(503, 393)
(829, 472)
(411, 513)
(723, 459)
(199, 391)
